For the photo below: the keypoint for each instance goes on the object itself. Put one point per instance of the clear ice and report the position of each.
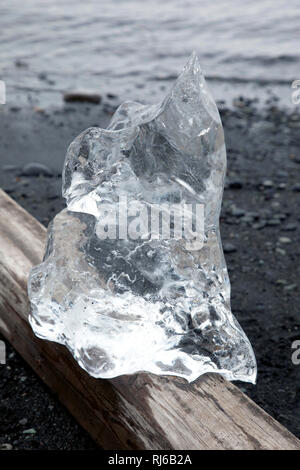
(126, 305)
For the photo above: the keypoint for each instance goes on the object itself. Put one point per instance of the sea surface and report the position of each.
(134, 49)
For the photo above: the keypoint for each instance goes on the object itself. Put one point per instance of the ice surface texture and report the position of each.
(126, 305)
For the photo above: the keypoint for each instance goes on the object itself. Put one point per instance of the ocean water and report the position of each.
(135, 48)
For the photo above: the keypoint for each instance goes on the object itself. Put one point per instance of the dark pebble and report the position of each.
(259, 225)
(36, 169)
(296, 187)
(83, 97)
(273, 222)
(282, 174)
(279, 216)
(229, 248)
(253, 214)
(42, 76)
(236, 211)
(15, 109)
(235, 184)
(239, 102)
(290, 227)
(247, 219)
(20, 63)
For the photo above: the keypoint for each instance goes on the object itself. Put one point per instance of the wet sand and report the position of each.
(260, 225)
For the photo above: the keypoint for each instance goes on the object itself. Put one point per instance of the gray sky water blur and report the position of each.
(135, 48)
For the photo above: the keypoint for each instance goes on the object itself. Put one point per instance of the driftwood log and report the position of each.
(131, 412)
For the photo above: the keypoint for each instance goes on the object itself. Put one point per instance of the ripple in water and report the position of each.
(134, 49)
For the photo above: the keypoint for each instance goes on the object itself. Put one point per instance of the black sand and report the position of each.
(260, 227)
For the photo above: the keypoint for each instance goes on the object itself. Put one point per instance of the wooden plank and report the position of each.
(131, 412)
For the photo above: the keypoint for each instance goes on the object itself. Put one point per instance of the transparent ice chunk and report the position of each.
(122, 296)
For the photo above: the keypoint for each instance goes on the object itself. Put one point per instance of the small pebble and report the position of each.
(235, 184)
(273, 222)
(279, 216)
(229, 248)
(282, 173)
(6, 446)
(295, 125)
(20, 63)
(290, 227)
(259, 225)
(29, 431)
(239, 102)
(82, 96)
(236, 211)
(280, 251)
(281, 282)
(284, 240)
(290, 287)
(36, 169)
(23, 421)
(15, 109)
(247, 219)
(268, 184)
(39, 110)
(296, 187)
(253, 214)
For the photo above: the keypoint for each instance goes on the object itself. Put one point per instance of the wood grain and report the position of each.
(142, 411)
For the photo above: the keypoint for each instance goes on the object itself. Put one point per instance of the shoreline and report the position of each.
(260, 228)
(38, 134)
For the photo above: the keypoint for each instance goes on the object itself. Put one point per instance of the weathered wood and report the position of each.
(132, 412)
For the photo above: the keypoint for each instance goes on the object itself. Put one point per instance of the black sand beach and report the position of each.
(260, 225)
